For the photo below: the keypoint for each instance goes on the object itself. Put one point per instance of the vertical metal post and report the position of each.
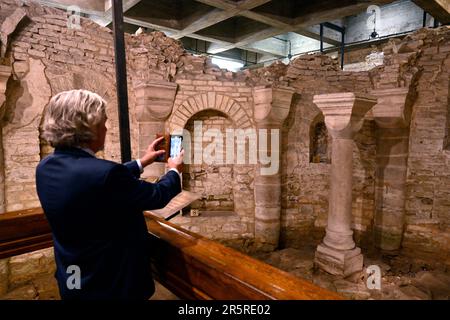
(342, 48)
(435, 23)
(121, 80)
(321, 37)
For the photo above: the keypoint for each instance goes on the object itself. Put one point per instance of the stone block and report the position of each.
(27, 292)
(4, 276)
(47, 287)
(339, 262)
(26, 267)
(36, 53)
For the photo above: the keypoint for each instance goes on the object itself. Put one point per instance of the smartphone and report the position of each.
(176, 144)
(172, 144)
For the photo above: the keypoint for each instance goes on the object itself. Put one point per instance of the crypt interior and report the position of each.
(355, 94)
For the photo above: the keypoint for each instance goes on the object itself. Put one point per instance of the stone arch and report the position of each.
(63, 78)
(211, 100)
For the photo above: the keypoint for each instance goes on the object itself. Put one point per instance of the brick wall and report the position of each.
(48, 58)
(306, 183)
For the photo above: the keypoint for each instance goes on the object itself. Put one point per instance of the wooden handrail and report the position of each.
(191, 266)
(23, 231)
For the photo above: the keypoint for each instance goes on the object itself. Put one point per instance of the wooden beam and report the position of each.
(23, 231)
(439, 9)
(194, 267)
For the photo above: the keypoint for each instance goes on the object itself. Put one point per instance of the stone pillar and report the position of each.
(344, 114)
(154, 103)
(272, 107)
(392, 115)
(5, 72)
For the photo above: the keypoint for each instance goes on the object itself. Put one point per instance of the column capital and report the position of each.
(344, 112)
(393, 109)
(154, 100)
(272, 104)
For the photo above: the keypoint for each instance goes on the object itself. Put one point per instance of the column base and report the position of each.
(339, 262)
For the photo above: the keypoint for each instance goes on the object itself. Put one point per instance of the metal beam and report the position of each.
(121, 81)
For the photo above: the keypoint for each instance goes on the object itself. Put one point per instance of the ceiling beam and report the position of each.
(146, 24)
(305, 21)
(314, 33)
(268, 46)
(205, 21)
(246, 40)
(127, 5)
(266, 19)
(225, 9)
(439, 9)
(327, 14)
(230, 5)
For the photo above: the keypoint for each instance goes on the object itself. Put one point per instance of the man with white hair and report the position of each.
(95, 206)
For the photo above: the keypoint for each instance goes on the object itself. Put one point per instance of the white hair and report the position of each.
(71, 118)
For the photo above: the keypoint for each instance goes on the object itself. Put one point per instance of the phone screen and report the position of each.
(176, 144)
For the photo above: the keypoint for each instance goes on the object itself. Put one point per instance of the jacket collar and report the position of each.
(74, 151)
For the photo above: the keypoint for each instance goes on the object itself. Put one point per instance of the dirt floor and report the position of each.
(402, 278)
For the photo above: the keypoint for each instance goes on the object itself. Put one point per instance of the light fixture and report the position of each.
(374, 34)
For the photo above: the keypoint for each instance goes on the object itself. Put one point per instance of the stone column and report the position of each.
(154, 103)
(272, 107)
(392, 115)
(5, 72)
(344, 114)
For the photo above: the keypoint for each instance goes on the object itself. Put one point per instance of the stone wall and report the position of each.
(29, 276)
(47, 58)
(427, 232)
(306, 182)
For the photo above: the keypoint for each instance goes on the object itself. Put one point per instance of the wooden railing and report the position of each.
(189, 265)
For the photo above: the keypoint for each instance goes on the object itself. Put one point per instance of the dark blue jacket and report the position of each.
(94, 208)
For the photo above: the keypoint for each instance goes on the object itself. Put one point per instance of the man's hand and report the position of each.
(177, 162)
(151, 155)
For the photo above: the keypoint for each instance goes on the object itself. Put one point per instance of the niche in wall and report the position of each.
(213, 181)
(320, 142)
